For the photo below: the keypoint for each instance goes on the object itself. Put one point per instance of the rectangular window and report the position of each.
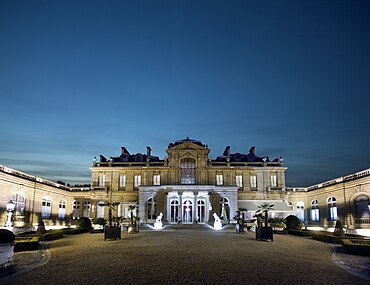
(273, 180)
(101, 180)
(315, 215)
(219, 179)
(137, 180)
(239, 180)
(333, 213)
(122, 181)
(253, 181)
(46, 208)
(157, 179)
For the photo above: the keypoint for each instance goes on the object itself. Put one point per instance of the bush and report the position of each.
(293, 223)
(99, 221)
(26, 243)
(277, 223)
(6, 236)
(338, 231)
(84, 223)
(356, 246)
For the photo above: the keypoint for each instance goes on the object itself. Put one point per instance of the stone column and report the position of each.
(165, 207)
(180, 206)
(195, 209)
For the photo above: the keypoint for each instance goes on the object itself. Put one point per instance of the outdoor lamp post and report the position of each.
(10, 206)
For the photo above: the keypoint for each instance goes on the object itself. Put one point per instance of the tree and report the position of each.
(111, 206)
(265, 208)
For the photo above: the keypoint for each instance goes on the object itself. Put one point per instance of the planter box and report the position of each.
(7, 265)
(112, 233)
(264, 233)
(239, 228)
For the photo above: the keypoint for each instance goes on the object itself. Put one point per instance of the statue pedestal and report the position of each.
(158, 225)
(217, 225)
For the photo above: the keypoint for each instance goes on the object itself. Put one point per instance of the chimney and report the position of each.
(148, 151)
(227, 151)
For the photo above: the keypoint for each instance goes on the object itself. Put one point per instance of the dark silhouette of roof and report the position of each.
(186, 140)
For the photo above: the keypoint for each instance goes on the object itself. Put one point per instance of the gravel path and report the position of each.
(187, 257)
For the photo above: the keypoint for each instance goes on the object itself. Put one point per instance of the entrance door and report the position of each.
(187, 212)
(201, 211)
(174, 211)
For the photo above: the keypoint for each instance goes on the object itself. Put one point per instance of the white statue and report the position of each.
(217, 224)
(159, 218)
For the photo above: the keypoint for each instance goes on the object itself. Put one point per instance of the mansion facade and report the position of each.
(187, 187)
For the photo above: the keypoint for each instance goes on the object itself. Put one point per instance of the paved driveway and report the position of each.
(187, 257)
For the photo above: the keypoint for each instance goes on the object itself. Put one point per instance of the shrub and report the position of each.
(99, 221)
(26, 243)
(84, 223)
(6, 236)
(293, 223)
(338, 231)
(277, 223)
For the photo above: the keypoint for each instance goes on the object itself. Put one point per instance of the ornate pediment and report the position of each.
(186, 146)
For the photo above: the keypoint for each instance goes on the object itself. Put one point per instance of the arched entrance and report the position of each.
(187, 211)
(201, 211)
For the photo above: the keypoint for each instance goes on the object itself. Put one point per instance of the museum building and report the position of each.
(187, 187)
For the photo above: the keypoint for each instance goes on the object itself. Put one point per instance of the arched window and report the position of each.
(86, 209)
(300, 210)
(332, 209)
(19, 202)
(187, 171)
(151, 207)
(201, 211)
(46, 207)
(315, 215)
(76, 209)
(62, 209)
(100, 209)
(174, 216)
(362, 207)
(224, 204)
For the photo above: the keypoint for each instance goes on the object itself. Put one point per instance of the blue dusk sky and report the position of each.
(83, 78)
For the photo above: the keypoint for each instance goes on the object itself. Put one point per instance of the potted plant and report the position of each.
(239, 217)
(111, 232)
(265, 232)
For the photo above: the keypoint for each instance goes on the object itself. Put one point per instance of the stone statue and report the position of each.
(217, 219)
(159, 218)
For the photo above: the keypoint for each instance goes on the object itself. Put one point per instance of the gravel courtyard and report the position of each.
(187, 257)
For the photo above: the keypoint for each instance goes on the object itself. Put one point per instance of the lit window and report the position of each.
(100, 209)
(253, 180)
(86, 209)
(315, 216)
(300, 210)
(239, 180)
(332, 209)
(187, 171)
(157, 179)
(122, 181)
(219, 179)
(101, 180)
(46, 207)
(62, 210)
(76, 209)
(273, 180)
(137, 180)
(19, 202)
(224, 204)
(151, 205)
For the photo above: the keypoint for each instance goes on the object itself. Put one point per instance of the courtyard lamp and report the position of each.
(10, 206)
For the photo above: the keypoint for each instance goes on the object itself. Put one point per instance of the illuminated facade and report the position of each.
(187, 187)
